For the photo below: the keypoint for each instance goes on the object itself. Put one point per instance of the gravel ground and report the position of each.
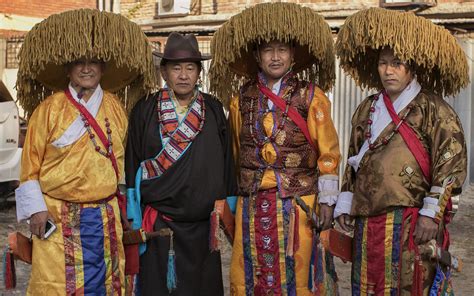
(461, 229)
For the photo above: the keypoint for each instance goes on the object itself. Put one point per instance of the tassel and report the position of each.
(171, 279)
(214, 231)
(312, 282)
(291, 234)
(9, 275)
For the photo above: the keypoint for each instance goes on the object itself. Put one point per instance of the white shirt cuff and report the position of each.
(328, 186)
(29, 200)
(430, 207)
(344, 204)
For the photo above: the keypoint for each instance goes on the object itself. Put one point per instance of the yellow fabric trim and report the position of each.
(281, 245)
(323, 133)
(107, 255)
(388, 251)
(363, 271)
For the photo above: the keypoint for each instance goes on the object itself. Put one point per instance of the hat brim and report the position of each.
(438, 60)
(203, 57)
(246, 64)
(55, 76)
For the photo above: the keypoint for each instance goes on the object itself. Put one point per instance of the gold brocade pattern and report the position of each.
(321, 130)
(76, 173)
(389, 175)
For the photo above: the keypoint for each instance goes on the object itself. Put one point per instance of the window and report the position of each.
(13, 48)
(407, 3)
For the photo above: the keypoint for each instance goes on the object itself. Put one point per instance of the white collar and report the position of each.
(381, 118)
(77, 129)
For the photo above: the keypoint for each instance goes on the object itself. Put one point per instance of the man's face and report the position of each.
(275, 58)
(85, 73)
(181, 77)
(394, 74)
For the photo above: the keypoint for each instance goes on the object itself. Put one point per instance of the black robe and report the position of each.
(186, 193)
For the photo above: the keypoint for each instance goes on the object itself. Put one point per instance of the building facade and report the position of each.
(202, 17)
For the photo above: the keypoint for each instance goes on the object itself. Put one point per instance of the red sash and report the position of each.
(292, 113)
(131, 251)
(410, 138)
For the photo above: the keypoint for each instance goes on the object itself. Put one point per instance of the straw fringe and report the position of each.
(231, 46)
(439, 62)
(71, 35)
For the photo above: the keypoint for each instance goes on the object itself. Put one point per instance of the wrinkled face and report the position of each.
(394, 74)
(85, 73)
(181, 77)
(275, 58)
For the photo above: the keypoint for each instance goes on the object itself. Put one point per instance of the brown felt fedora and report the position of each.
(182, 48)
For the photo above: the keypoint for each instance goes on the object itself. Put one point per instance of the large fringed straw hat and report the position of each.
(68, 36)
(436, 58)
(233, 45)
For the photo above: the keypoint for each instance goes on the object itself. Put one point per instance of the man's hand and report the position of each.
(345, 221)
(38, 223)
(325, 216)
(426, 230)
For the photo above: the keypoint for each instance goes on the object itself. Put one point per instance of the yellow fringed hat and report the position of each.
(438, 61)
(232, 45)
(71, 35)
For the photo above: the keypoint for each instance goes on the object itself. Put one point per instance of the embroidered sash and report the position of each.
(176, 136)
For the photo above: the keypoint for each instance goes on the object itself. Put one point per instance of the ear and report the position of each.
(256, 55)
(164, 75)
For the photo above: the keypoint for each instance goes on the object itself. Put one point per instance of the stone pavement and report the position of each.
(461, 229)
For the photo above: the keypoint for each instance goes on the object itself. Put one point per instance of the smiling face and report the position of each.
(394, 74)
(85, 73)
(275, 58)
(181, 77)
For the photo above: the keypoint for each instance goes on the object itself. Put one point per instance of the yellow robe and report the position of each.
(323, 134)
(77, 174)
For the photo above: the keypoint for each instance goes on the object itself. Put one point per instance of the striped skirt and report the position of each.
(382, 263)
(84, 256)
(265, 262)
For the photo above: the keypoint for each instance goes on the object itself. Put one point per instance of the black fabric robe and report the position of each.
(186, 193)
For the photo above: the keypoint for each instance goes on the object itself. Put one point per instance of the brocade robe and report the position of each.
(76, 259)
(389, 176)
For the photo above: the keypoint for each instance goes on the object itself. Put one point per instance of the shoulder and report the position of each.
(252, 83)
(211, 100)
(362, 110)
(114, 102)
(213, 103)
(51, 105)
(435, 103)
(147, 102)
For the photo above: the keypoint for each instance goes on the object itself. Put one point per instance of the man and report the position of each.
(178, 163)
(283, 135)
(407, 151)
(73, 156)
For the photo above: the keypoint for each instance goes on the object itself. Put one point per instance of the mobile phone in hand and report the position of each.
(50, 228)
